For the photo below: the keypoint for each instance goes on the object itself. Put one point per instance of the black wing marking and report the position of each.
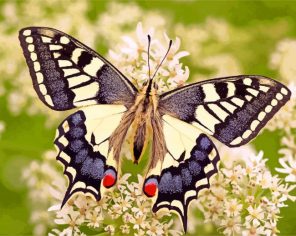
(232, 109)
(188, 166)
(82, 141)
(68, 74)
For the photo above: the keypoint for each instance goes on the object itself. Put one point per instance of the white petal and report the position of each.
(292, 162)
(55, 207)
(290, 178)
(181, 54)
(281, 170)
(130, 42)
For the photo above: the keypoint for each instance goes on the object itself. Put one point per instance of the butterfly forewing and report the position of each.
(68, 74)
(232, 109)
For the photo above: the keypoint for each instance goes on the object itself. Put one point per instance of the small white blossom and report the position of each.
(255, 214)
(233, 207)
(231, 225)
(132, 60)
(110, 229)
(253, 229)
(125, 229)
(236, 187)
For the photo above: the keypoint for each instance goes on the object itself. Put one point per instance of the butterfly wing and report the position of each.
(83, 143)
(232, 109)
(68, 74)
(190, 162)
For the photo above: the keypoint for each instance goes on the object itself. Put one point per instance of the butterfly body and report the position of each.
(67, 74)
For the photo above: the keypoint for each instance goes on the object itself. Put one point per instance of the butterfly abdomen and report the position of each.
(139, 141)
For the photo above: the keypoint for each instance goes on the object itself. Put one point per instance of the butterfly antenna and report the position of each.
(149, 42)
(159, 65)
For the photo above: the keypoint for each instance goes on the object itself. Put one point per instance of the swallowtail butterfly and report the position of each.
(67, 74)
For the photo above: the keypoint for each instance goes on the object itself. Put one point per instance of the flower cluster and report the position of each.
(123, 210)
(245, 198)
(132, 59)
(42, 178)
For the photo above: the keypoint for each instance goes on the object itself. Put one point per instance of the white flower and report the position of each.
(67, 216)
(125, 229)
(289, 168)
(265, 180)
(155, 229)
(110, 229)
(285, 192)
(271, 228)
(132, 60)
(94, 217)
(127, 218)
(256, 214)
(233, 207)
(139, 221)
(253, 229)
(231, 225)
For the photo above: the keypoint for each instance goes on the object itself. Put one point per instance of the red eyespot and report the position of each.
(109, 179)
(150, 187)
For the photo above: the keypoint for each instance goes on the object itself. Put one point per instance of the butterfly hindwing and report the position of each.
(190, 162)
(68, 74)
(232, 109)
(83, 147)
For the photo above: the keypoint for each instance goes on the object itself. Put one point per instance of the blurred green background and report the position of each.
(27, 136)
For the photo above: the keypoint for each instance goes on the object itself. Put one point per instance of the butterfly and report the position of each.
(67, 74)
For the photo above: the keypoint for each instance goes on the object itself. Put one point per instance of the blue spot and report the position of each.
(93, 168)
(166, 184)
(61, 100)
(194, 168)
(97, 169)
(76, 145)
(186, 177)
(76, 118)
(76, 132)
(198, 155)
(205, 143)
(86, 166)
(177, 184)
(81, 156)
